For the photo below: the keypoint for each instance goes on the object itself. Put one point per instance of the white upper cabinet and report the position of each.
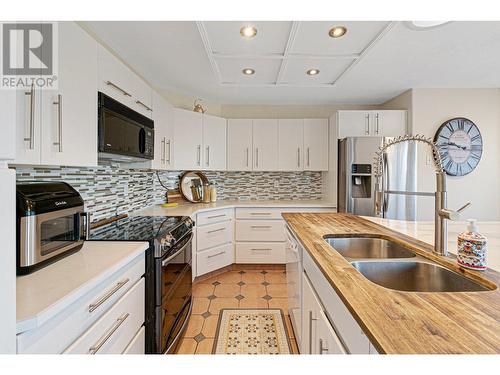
(119, 82)
(214, 143)
(383, 123)
(69, 114)
(390, 123)
(239, 145)
(265, 141)
(316, 144)
(291, 144)
(163, 117)
(188, 137)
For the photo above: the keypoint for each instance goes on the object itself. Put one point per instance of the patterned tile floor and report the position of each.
(251, 287)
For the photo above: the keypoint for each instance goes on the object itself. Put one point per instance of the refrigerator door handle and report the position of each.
(385, 186)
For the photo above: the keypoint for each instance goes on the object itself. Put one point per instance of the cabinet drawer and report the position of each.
(260, 230)
(346, 326)
(260, 252)
(56, 334)
(215, 258)
(258, 213)
(216, 216)
(137, 345)
(114, 330)
(212, 235)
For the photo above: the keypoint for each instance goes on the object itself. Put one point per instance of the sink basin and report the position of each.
(368, 248)
(410, 276)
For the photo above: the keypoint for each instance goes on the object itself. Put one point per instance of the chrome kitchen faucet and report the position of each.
(442, 214)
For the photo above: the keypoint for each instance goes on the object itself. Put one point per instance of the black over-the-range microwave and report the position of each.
(124, 134)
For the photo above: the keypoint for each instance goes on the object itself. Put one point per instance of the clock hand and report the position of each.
(454, 144)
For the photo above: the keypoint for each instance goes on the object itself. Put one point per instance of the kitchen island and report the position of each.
(398, 322)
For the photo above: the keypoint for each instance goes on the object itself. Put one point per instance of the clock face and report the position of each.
(460, 145)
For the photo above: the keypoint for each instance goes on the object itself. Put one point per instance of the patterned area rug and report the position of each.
(251, 331)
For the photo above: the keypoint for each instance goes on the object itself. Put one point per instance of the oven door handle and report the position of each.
(163, 262)
(86, 232)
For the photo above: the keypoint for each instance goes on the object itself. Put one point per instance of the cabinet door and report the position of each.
(327, 340)
(316, 144)
(188, 139)
(239, 145)
(311, 308)
(214, 143)
(389, 123)
(354, 123)
(69, 114)
(163, 123)
(141, 96)
(291, 145)
(265, 145)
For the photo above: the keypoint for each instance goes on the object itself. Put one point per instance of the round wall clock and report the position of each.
(460, 145)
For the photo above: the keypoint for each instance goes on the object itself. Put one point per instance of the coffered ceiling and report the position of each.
(371, 63)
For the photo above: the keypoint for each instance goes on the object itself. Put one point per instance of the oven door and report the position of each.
(173, 297)
(47, 235)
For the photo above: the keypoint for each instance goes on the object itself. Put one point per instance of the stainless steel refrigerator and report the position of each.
(356, 182)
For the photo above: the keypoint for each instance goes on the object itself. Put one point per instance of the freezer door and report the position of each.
(400, 175)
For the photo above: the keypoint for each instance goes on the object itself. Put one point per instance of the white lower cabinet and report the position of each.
(214, 235)
(136, 346)
(327, 341)
(214, 259)
(260, 252)
(112, 333)
(260, 230)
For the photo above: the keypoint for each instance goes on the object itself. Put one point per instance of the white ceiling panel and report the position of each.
(312, 37)
(329, 69)
(225, 37)
(266, 70)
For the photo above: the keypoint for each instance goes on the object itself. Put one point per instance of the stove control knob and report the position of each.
(189, 222)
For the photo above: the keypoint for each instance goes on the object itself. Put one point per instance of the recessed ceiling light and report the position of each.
(337, 31)
(248, 31)
(248, 71)
(312, 72)
(425, 25)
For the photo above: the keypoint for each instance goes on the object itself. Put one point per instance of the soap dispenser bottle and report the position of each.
(472, 246)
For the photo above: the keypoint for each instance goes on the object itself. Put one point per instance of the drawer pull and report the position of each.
(216, 216)
(109, 83)
(214, 255)
(216, 230)
(95, 348)
(260, 213)
(268, 249)
(104, 298)
(260, 226)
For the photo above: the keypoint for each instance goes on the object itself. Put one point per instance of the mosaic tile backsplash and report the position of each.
(110, 190)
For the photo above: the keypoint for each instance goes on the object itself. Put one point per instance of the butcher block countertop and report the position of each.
(399, 322)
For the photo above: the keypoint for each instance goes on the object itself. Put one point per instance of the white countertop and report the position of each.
(189, 209)
(424, 231)
(46, 292)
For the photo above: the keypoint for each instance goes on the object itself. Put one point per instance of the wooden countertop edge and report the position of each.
(321, 252)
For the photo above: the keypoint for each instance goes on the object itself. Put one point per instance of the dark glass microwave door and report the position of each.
(59, 232)
(122, 135)
(176, 296)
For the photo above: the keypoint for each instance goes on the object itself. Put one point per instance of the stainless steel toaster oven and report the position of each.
(51, 223)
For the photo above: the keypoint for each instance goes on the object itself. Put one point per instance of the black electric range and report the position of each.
(168, 273)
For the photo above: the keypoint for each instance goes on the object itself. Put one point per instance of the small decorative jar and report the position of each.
(472, 246)
(213, 192)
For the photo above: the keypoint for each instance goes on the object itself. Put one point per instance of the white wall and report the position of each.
(428, 109)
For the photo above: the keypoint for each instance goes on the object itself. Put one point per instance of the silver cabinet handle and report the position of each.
(109, 83)
(308, 157)
(260, 213)
(216, 230)
(105, 297)
(31, 138)
(95, 348)
(59, 121)
(215, 255)
(322, 348)
(169, 151)
(247, 157)
(216, 216)
(143, 105)
(376, 123)
(311, 320)
(198, 153)
(208, 156)
(163, 151)
(266, 249)
(298, 156)
(257, 157)
(260, 226)
(367, 127)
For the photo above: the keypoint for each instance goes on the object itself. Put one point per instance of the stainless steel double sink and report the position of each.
(394, 266)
